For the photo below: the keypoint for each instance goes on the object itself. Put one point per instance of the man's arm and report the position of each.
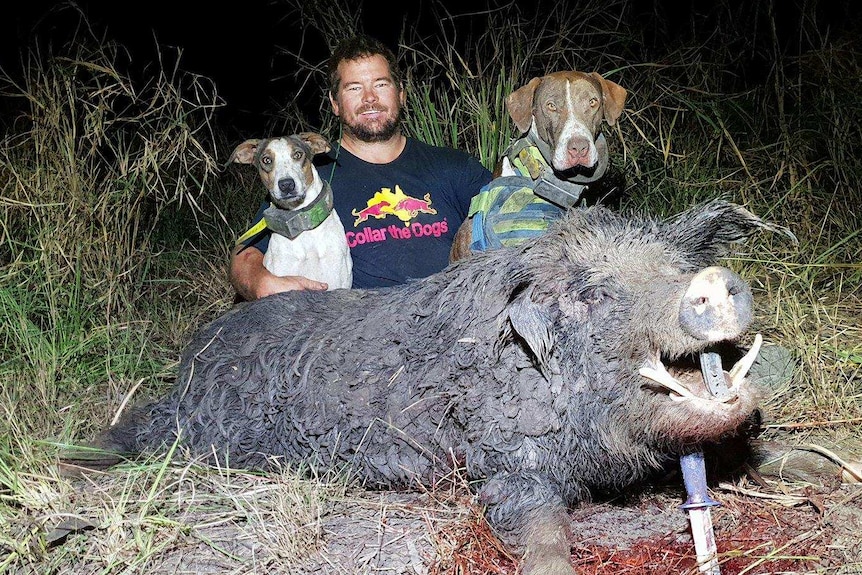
(476, 177)
(463, 238)
(253, 281)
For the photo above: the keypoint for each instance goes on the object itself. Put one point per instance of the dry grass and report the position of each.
(160, 516)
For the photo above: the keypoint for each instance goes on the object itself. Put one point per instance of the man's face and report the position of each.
(368, 100)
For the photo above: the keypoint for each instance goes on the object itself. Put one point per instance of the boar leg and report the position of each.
(527, 511)
(548, 551)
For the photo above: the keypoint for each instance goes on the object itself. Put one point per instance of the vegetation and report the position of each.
(117, 224)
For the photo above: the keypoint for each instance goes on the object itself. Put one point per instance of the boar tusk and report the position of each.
(740, 369)
(679, 393)
(661, 376)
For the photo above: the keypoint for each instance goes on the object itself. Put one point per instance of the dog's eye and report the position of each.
(594, 102)
(551, 107)
(297, 155)
(266, 160)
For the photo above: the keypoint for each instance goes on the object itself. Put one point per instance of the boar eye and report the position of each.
(594, 102)
(597, 295)
(551, 107)
(297, 155)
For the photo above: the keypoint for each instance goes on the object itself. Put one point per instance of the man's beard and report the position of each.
(382, 133)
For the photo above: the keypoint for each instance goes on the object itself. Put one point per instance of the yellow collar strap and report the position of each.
(253, 231)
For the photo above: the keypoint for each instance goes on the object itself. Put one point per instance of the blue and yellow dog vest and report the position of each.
(506, 212)
(511, 209)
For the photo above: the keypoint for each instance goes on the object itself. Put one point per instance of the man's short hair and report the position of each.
(356, 47)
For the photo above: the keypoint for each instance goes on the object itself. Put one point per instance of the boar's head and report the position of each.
(623, 307)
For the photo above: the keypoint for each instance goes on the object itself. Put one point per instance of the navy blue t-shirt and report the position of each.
(399, 218)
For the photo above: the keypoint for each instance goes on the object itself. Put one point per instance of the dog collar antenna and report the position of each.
(560, 192)
(531, 159)
(290, 223)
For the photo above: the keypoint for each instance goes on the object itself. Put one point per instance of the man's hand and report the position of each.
(269, 284)
(253, 281)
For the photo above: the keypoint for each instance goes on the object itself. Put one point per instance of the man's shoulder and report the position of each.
(418, 146)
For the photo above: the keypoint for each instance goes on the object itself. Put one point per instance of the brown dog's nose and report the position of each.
(579, 147)
(579, 151)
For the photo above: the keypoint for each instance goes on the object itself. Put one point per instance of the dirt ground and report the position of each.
(795, 512)
(776, 527)
(758, 531)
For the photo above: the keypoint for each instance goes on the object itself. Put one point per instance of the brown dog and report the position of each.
(560, 117)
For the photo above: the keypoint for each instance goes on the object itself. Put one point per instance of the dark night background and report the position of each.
(238, 45)
(234, 44)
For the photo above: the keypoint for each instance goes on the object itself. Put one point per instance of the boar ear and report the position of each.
(533, 323)
(707, 231)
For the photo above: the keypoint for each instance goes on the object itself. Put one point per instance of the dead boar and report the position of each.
(547, 371)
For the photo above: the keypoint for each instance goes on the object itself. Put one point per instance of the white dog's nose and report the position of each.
(287, 185)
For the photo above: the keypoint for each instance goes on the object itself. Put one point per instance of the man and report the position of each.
(401, 201)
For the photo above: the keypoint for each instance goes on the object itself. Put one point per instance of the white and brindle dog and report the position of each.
(307, 235)
(561, 150)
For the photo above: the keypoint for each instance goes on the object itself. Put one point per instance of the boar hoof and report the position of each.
(548, 551)
(547, 565)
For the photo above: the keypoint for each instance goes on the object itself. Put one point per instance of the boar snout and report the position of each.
(716, 306)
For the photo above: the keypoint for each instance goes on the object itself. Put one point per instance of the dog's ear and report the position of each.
(316, 142)
(244, 153)
(614, 97)
(520, 104)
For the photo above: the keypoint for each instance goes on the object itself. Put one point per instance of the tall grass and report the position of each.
(115, 229)
(92, 162)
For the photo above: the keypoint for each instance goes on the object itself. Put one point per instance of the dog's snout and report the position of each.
(287, 186)
(579, 152)
(579, 147)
